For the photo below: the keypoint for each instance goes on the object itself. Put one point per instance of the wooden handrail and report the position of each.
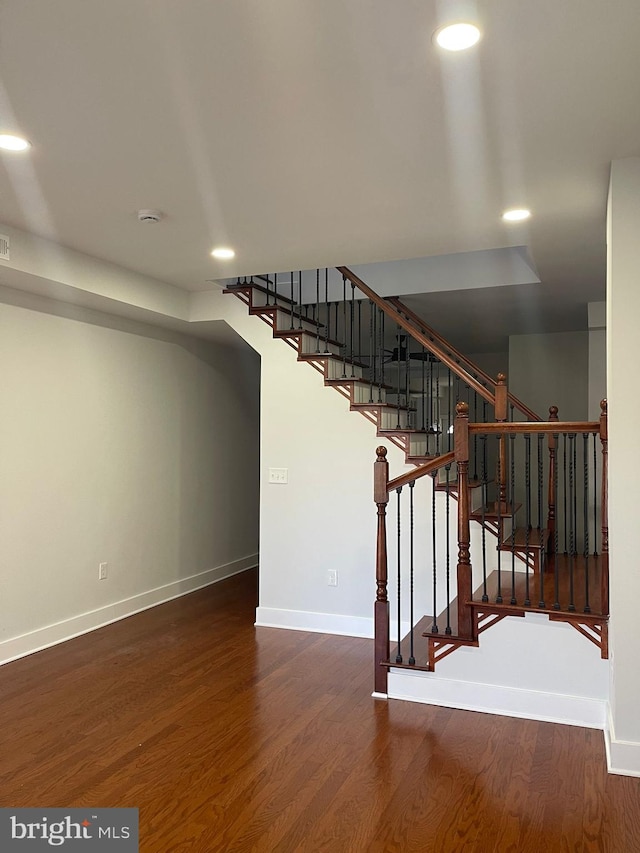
(463, 359)
(535, 426)
(417, 335)
(427, 468)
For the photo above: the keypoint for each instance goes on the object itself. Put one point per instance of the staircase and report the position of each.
(527, 497)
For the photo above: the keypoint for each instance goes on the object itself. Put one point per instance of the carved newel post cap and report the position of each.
(381, 453)
(553, 413)
(603, 406)
(462, 408)
(502, 378)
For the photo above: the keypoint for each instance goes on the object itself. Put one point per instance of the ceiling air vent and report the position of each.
(4, 248)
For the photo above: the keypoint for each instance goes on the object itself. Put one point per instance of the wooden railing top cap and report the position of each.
(381, 453)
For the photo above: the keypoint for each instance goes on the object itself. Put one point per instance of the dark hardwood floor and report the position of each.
(231, 738)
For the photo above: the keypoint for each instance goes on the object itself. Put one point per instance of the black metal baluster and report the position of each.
(430, 420)
(292, 300)
(542, 539)
(447, 630)
(500, 437)
(407, 363)
(437, 420)
(300, 299)
(475, 437)
(450, 408)
(399, 365)
(372, 350)
(343, 346)
(585, 512)
(434, 626)
(595, 497)
(328, 304)
(352, 323)
(422, 400)
(527, 512)
(399, 651)
(317, 317)
(512, 442)
(484, 497)
(572, 436)
(381, 371)
(360, 331)
(564, 491)
(412, 659)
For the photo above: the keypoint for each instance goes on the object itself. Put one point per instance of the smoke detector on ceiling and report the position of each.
(150, 215)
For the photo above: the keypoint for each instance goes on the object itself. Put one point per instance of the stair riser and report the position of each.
(367, 394)
(335, 369)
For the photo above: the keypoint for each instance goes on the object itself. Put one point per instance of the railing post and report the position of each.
(381, 606)
(551, 517)
(501, 417)
(604, 439)
(465, 585)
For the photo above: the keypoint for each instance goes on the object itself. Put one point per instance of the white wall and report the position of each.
(551, 370)
(116, 446)
(623, 357)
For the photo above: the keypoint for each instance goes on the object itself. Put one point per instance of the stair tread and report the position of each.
(422, 631)
(234, 288)
(287, 333)
(537, 539)
(358, 380)
(490, 510)
(392, 406)
(313, 356)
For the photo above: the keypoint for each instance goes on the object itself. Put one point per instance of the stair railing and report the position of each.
(459, 357)
(456, 367)
(544, 541)
(552, 523)
(411, 582)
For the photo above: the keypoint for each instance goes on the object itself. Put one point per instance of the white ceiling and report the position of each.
(317, 132)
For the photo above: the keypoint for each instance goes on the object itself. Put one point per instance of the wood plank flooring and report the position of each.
(232, 738)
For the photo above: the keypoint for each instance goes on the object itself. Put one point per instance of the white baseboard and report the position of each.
(623, 756)
(496, 699)
(51, 635)
(319, 623)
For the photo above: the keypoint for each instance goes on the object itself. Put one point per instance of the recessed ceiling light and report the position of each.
(223, 254)
(457, 36)
(13, 143)
(516, 215)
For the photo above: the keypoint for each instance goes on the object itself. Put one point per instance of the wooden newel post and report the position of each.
(381, 606)
(501, 417)
(604, 439)
(553, 446)
(465, 585)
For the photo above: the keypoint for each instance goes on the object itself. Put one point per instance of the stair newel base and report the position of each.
(604, 439)
(466, 626)
(381, 606)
